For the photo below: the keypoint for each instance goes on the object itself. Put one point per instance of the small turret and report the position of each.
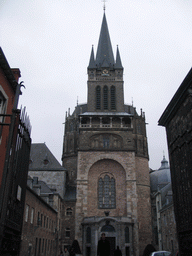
(118, 64)
(92, 60)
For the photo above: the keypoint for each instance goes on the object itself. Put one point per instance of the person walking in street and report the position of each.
(117, 252)
(103, 248)
(66, 253)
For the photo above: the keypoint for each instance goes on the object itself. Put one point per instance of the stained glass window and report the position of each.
(106, 192)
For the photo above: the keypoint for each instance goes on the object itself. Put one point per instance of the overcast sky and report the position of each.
(50, 42)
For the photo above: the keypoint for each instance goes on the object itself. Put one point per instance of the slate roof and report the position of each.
(82, 108)
(41, 158)
(160, 177)
(45, 189)
(118, 64)
(92, 60)
(104, 56)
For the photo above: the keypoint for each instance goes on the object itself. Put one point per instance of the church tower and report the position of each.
(106, 154)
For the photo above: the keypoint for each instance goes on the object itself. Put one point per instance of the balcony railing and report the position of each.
(104, 126)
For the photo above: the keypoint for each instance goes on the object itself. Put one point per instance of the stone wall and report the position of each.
(90, 166)
(143, 203)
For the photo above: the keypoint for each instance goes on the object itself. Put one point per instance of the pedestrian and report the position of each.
(71, 252)
(117, 252)
(61, 253)
(103, 248)
(75, 248)
(66, 252)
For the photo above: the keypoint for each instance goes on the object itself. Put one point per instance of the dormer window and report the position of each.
(45, 161)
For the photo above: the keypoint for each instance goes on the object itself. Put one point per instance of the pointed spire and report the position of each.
(118, 63)
(92, 60)
(104, 57)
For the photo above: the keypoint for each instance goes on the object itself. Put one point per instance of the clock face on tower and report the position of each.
(105, 72)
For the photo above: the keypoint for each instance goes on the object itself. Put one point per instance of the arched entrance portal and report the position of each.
(110, 234)
(118, 231)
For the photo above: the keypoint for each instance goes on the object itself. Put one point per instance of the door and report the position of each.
(112, 245)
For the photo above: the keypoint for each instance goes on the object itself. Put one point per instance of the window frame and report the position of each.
(113, 97)
(32, 215)
(26, 213)
(98, 97)
(106, 192)
(105, 98)
(3, 108)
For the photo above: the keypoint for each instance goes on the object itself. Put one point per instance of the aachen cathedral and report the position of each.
(106, 154)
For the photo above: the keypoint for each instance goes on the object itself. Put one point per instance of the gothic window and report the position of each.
(105, 97)
(98, 97)
(126, 235)
(106, 192)
(105, 141)
(88, 235)
(113, 99)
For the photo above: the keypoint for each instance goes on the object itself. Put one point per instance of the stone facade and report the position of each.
(105, 153)
(177, 118)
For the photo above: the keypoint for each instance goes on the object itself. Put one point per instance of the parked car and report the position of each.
(160, 253)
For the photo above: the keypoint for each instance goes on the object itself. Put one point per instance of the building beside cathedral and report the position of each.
(177, 119)
(106, 154)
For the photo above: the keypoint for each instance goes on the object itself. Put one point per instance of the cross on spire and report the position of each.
(104, 1)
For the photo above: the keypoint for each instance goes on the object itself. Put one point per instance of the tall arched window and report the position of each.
(88, 235)
(98, 97)
(127, 235)
(113, 99)
(105, 97)
(106, 192)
